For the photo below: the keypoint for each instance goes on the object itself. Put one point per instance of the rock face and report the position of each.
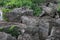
(32, 26)
(24, 37)
(4, 36)
(44, 27)
(49, 11)
(16, 13)
(55, 32)
(30, 21)
(23, 11)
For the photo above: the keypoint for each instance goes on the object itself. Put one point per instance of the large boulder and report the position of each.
(55, 32)
(49, 9)
(44, 26)
(30, 21)
(16, 13)
(32, 26)
(4, 36)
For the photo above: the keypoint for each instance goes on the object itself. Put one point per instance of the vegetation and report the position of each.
(10, 4)
(4, 13)
(13, 30)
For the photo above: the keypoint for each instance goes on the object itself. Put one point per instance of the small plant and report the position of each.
(1, 29)
(38, 1)
(13, 30)
(37, 10)
(5, 10)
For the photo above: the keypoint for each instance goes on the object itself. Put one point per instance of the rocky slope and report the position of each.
(29, 27)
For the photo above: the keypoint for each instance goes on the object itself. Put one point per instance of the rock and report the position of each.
(24, 11)
(42, 14)
(36, 36)
(30, 21)
(58, 20)
(32, 26)
(13, 17)
(55, 32)
(44, 26)
(16, 14)
(4, 36)
(48, 11)
(53, 5)
(50, 37)
(22, 28)
(24, 37)
(31, 30)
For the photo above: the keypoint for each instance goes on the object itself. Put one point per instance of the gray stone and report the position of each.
(30, 21)
(44, 26)
(43, 12)
(49, 10)
(36, 36)
(24, 11)
(24, 37)
(13, 17)
(53, 5)
(58, 20)
(16, 14)
(55, 32)
(4, 36)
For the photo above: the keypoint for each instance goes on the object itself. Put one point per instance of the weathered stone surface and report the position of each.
(16, 13)
(24, 37)
(36, 36)
(55, 32)
(4, 36)
(44, 26)
(53, 5)
(12, 16)
(32, 26)
(58, 20)
(30, 21)
(24, 11)
(49, 11)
